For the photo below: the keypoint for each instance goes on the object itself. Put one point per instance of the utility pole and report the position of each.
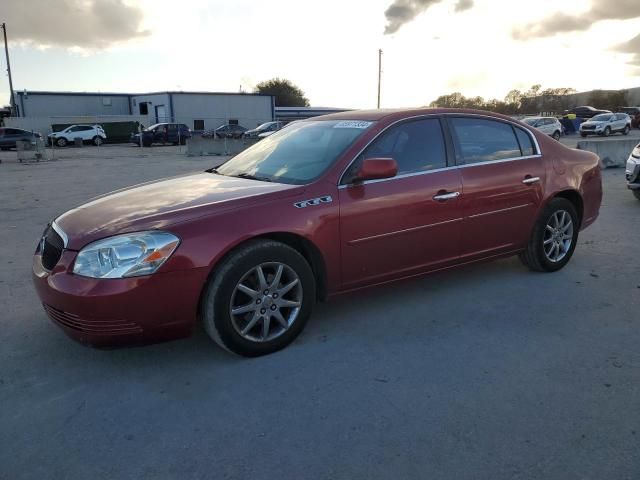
(6, 52)
(379, 74)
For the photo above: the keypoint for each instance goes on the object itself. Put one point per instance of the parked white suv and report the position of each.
(88, 133)
(549, 125)
(605, 124)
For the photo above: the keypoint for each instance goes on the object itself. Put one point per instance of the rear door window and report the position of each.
(479, 140)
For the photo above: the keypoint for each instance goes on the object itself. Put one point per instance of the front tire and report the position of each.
(636, 193)
(556, 136)
(61, 142)
(607, 132)
(554, 237)
(626, 130)
(97, 141)
(259, 298)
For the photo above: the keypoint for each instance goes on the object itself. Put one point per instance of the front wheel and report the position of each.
(556, 136)
(97, 141)
(259, 298)
(583, 135)
(636, 193)
(554, 237)
(626, 130)
(61, 142)
(607, 132)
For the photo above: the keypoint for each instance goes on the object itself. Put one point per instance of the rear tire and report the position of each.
(554, 237)
(235, 285)
(636, 193)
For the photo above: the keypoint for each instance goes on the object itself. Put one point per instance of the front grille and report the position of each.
(588, 127)
(92, 326)
(52, 249)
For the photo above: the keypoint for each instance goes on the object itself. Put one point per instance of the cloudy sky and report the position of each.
(329, 48)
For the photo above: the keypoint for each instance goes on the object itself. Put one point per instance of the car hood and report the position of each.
(159, 204)
(594, 123)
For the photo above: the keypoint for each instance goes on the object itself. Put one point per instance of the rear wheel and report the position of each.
(554, 237)
(636, 193)
(259, 299)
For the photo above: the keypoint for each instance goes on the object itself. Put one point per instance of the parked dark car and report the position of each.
(230, 131)
(335, 204)
(9, 136)
(585, 112)
(173, 133)
(634, 113)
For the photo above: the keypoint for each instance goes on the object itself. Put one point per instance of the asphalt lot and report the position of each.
(488, 372)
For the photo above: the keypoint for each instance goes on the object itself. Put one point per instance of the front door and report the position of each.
(161, 113)
(407, 224)
(502, 180)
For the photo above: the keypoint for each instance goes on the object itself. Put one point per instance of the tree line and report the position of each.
(534, 100)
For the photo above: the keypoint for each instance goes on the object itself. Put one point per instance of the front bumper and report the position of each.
(598, 131)
(109, 312)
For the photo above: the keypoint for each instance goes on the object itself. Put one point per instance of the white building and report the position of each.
(197, 110)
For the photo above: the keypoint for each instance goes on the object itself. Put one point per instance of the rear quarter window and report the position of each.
(525, 141)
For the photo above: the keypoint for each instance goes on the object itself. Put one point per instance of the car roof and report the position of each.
(399, 114)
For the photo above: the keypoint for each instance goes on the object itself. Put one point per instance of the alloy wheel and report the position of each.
(558, 236)
(266, 302)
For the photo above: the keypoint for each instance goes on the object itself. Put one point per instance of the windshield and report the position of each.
(604, 117)
(296, 154)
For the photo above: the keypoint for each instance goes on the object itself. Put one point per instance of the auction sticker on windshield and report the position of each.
(353, 124)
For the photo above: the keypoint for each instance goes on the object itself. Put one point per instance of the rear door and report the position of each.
(406, 224)
(502, 179)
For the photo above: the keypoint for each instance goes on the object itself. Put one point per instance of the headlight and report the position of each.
(129, 255)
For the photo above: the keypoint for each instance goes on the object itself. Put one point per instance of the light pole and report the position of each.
(379, 74)
(6, 52)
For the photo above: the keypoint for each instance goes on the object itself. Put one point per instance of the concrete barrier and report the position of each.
(198, 146)
(612, 152)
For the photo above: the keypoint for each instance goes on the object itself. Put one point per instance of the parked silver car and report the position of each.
(605, 124)
(549, 125)
(632, 172)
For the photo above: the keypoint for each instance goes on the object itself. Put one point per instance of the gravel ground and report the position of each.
(488, 372)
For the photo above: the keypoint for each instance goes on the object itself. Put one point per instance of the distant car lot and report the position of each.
(428, 378)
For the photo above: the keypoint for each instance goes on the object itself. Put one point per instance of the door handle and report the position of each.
(531, 180)
(443, 197)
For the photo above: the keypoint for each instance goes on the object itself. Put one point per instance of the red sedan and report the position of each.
(322, 207)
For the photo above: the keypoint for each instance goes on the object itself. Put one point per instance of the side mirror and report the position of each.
(376, 169)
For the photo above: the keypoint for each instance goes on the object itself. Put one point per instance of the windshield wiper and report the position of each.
(252, 177)
(213, 170)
